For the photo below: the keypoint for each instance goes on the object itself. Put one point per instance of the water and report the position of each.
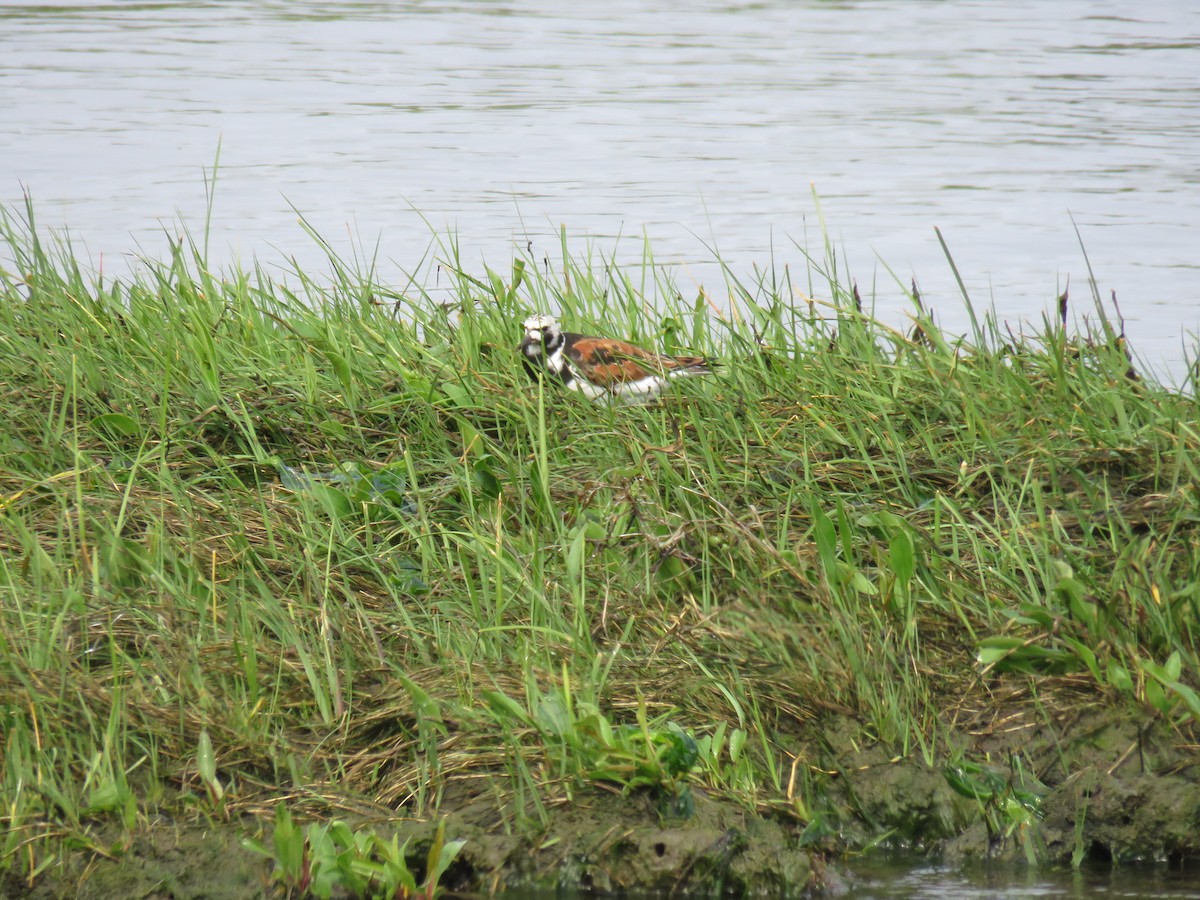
(883, 878)
(900, 876)
(696, 124)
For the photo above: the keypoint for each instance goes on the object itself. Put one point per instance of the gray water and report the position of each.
(698, 125)
(903, 878)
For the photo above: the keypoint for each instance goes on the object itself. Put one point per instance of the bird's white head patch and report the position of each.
(540, 328)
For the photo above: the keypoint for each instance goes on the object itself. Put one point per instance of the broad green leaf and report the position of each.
(737, 741)
(825, 534)
(553, 717)
(1085, 654)
(505, 707)
(862, 584)
(681, 753)
(1156, 697)
(341, 368)
(966, 785)
(334, 501)
(456, 394)
(206, 760)
(117, 425)
(1118, 676)
(903, 556)
(1084, 613)
(1189, 696)
(990, 654)
(1173, 666)
(485, 479)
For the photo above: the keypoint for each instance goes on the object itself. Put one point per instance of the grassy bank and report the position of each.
(321, 540)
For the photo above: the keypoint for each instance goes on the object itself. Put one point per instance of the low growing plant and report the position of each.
(583, 742)
(332, 856)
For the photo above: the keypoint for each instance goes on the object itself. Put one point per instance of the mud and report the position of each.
(1112, 789)
(180, 862)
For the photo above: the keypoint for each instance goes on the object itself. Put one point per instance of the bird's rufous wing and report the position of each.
(605, 362)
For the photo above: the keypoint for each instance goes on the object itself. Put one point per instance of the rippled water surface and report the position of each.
(697, 124)
(904, 879)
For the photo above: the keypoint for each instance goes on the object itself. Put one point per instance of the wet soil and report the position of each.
(1112, 789)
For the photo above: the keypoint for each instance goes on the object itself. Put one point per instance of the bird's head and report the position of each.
(541, 329)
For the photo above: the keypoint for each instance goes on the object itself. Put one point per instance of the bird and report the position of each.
(602, 368)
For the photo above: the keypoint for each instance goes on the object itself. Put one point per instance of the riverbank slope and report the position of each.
(318, 549)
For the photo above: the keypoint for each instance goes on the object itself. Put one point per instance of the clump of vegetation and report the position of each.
(333, 856)
(325, 539)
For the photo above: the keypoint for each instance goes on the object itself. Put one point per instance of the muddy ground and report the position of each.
(1111, 788)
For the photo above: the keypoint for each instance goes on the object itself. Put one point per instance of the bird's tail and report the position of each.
(695, 365)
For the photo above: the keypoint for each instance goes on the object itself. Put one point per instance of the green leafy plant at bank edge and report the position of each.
(583, 743)
(330, 857)
(1010, 801)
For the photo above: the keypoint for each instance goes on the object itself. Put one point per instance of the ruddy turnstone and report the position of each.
(602, 367)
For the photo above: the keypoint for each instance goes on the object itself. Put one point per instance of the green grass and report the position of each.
(321, 539)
